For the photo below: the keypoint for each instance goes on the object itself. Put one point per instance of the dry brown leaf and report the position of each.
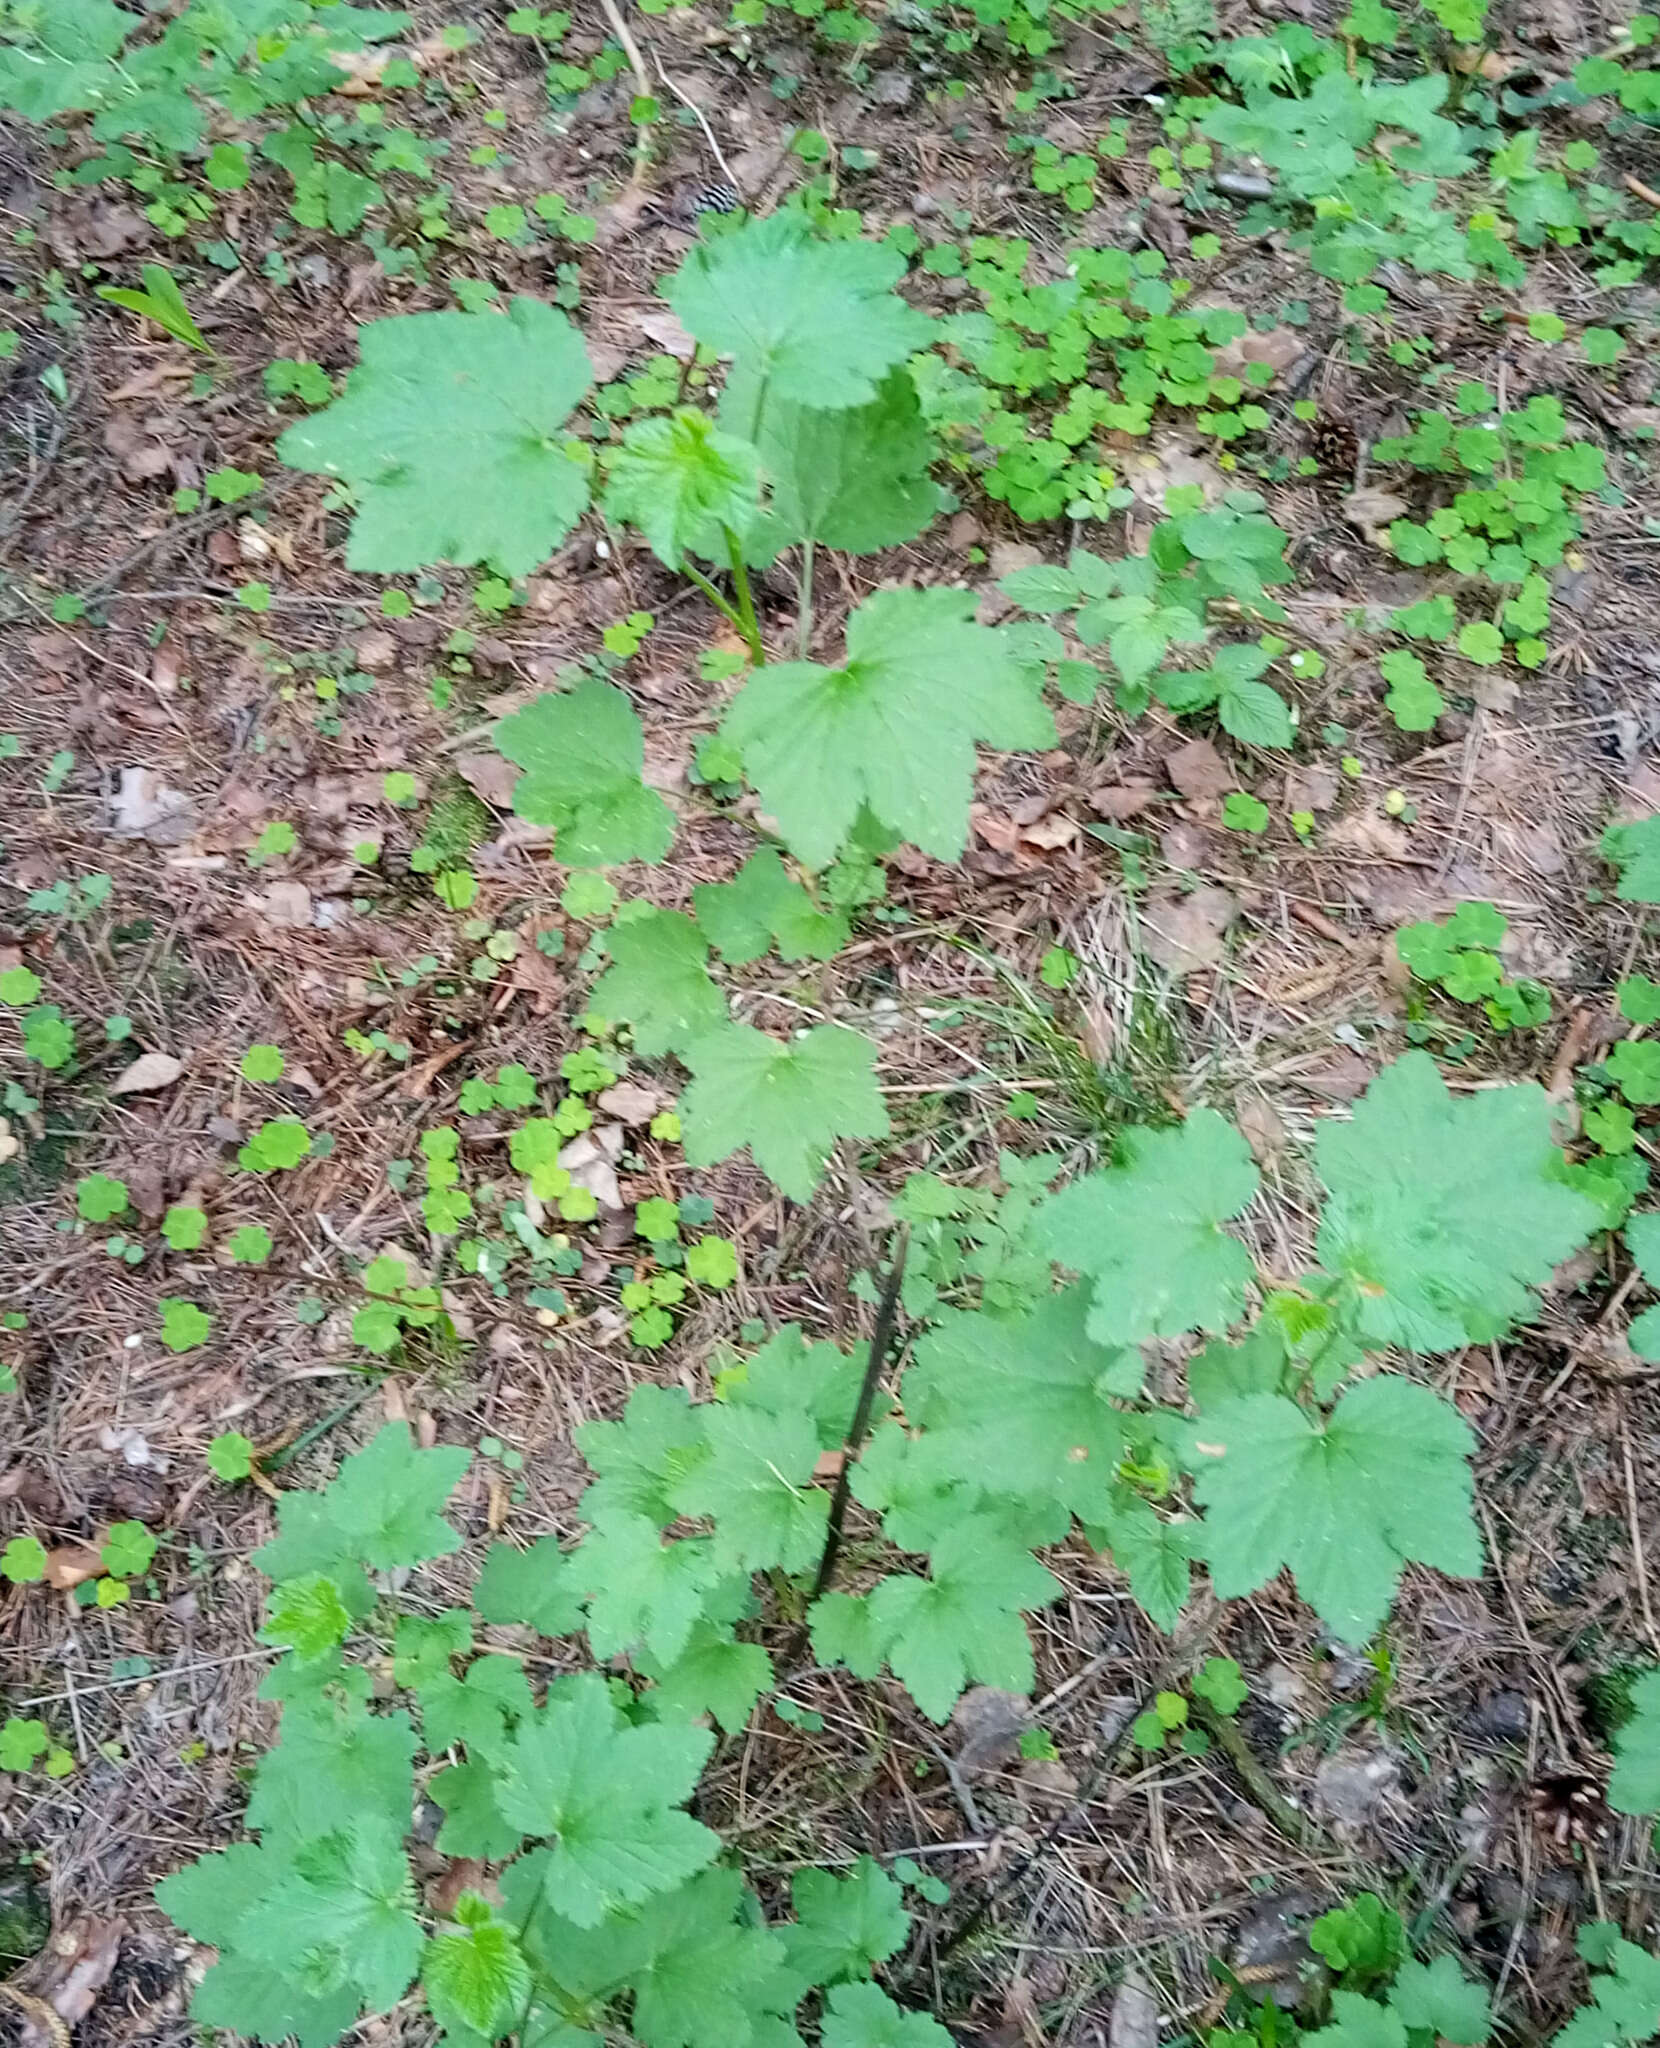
(72, 1564)
(1122, 801)
(1050, 833)
(150, 1070)
(489, 776)
(1199, 771)
(1366, 510)
(1182, 934)
(630, 1102)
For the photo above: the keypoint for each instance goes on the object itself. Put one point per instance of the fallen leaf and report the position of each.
(1279, 348)
(1365, 833)
(1199, 771)
(630, 1102)
(286, 904)
(1494, 690)
(584, 1159)
(491, 777)
(150, 1070)
(82, 1957)
(145, 808)
(663, 328)
(1260, 1125)
(1150, 473)
(1366, 510)
(1123, 800)
(1049, 833)
(72, 1564)
(9, 1146)
(1184, 933)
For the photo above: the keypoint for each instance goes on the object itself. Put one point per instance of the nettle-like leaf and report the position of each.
(761, 904)
(1635, 850)
(382, 1509)
(609, 1796)
(1635, 1785)
(963, 1622)
(702, 1974)
(855, 478)
(844, 1926)
(1247, 708)
(1444, 1212)
(819, 322)
(451, 434)
(788, 1103)
(893, 730)
(756, 1486)
(657, 982)
(682, 481)
(583, 754)
(1625, 1992)
(1024, 1404)
(1384, 1483)
(1149, 1231)
(476, 1981)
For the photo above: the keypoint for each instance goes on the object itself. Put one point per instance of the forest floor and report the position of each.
(194, 764)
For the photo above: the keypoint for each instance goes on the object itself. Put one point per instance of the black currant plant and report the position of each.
(1028, 1420)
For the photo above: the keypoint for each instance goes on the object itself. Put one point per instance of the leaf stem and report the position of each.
(724, 606)
(881, 1342)
(804, 602)
(747, 624)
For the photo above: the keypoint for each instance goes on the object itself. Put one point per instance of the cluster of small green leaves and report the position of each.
(1458, 955)
(153, 98)
(611, 1903)
(1514, 522)
(127, 1552)
(1055, 365)
(1332, 130)
(1139, 606)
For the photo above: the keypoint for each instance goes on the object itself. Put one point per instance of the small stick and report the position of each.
(881, 1341)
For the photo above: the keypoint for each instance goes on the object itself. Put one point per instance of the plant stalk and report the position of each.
(881, 1342)
(804, 603)
(727, 610)
(747, 623)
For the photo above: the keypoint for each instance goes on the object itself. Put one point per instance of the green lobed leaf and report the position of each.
(741, 918)
(893, 730)
(657, 983)
(1635, 1785)
(1443, 1212)
(382, 1509)
(1384, 1483)
(451, 434)
(788, 1103)
(583, 754)
(608, 1796)
(844, 1926)
(963, 1621)
(819, 322)
(855, 478)
(1149, 1231)
(756, 1487)
(862, 2016)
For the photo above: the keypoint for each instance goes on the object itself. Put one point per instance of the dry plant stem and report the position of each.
(881, 1343)
(1296, 1827)
(642, 81)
